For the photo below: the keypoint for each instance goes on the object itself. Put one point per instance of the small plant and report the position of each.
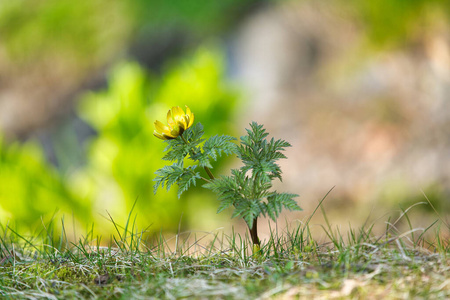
(247, 189)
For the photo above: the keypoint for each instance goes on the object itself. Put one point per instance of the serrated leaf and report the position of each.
(194, 135)
(225, 203)
(187, 179)
(168, 175)
(216, 145)
(247, 189)
(212, 149)
(227, 190)
(259, 155)
(202, 159)
(276, 202)
(176, 174)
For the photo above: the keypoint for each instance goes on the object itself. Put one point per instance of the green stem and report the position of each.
(184, 140)
(207, 170)
(254, 232)
(254, 228)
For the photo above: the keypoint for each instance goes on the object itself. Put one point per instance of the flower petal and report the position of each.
(169, 136)
(170, 121)
(179, 117)
(159, 135)
(177, 123)
(178, 112)
(190, 117)
(188, 111)
(160, 127)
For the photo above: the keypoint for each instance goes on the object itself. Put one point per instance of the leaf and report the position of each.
(187, 179)
(176, 174)
(227, 190)
(213, 149)
(167, 175)
(225, 203)
(202, 159)
(276, 202)
(176, 150)
(249, 210)
(194, 135)
(248, 188)
(215, 145)
(260, 155)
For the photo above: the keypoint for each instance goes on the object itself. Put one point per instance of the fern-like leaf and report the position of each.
(194, 135)
(177, 149)
(228, 191)
(277, 201)
(248, 210)
(187, 179)
(260, 155)
(215, 145)
(168, 176)
(176, 174)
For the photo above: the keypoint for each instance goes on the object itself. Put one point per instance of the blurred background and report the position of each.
(361, 89)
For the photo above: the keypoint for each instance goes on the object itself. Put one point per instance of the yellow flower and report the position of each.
(177, 123)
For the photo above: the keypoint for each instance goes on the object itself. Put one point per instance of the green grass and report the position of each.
(398, 264)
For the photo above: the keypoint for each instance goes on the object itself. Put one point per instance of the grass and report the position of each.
(398, 264)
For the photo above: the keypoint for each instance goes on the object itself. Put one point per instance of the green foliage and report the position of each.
(68, 32)
(259, 155)
(192, 146)
(121, 158)
(248, 188)
(220, 265)
(184, 177)
(124, 156)
(177, 149)
(396, 22)
(30, 188)
(215, 146)
(212, 149)
(198, 17)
